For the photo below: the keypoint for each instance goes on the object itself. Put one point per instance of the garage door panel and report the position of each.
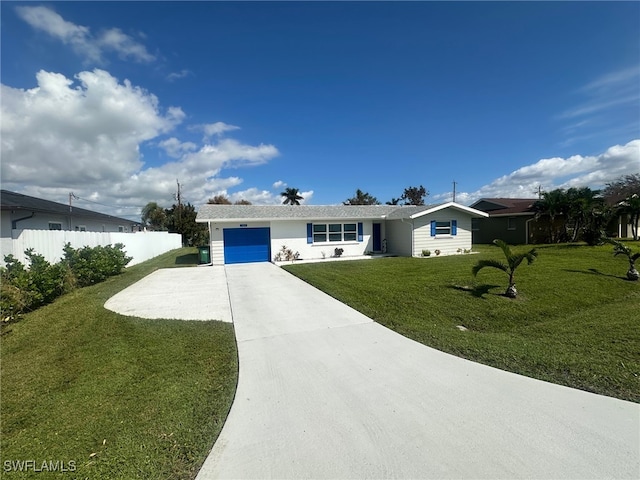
(245, 245)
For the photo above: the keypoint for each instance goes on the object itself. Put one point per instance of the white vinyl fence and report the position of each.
(49, 243)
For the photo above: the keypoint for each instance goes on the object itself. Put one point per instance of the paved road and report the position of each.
(324, 392)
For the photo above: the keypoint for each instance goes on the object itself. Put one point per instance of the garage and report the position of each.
(246, 245)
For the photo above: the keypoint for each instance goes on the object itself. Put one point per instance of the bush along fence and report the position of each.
(24, 289)
(49, 243)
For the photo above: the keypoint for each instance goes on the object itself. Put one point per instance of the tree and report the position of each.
(393, 201)
(219, 200)
(182, 219)
(620, 248)
(622, 188)
(586, 214)
(361, 198)
(623, 195)
(291, 196)
(414, 195)
(242, 201)
(154, 216)
(513, 262)
(551, 205)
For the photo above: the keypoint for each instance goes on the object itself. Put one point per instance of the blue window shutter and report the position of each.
(309, 233)
(360, 235)
(454, 227)
(433, 228)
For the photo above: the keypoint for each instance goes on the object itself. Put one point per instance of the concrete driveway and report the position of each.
(324, 392)
(176, 293)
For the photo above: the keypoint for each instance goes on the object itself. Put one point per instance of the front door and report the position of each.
(377, 237)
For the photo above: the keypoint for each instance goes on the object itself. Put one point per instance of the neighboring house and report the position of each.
(20, 212)
(509, 219)
(255, 233)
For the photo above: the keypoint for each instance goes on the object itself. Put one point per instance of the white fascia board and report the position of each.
(471, 211)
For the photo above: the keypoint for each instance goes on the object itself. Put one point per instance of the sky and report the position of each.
(118, 102)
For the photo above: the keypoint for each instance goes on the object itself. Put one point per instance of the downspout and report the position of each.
(412, 242)
(14, 223)
(526, 224)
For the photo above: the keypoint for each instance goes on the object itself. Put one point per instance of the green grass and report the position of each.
(121, 397)
(576, 320)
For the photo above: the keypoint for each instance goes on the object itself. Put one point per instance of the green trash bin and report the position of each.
(204, 254)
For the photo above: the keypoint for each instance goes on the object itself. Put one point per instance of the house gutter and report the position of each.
(412, 241)
(14, 223)
(526, 225)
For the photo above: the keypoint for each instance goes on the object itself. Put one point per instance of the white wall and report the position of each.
(447, 244)
(398, 234)
(49, 243)
(293, 235)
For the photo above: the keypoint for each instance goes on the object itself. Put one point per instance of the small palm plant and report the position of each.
(620, 248)
(513, 262)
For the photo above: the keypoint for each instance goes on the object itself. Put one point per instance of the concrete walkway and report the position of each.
(324, 392)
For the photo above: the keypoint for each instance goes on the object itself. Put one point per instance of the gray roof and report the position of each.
(292, 212)
(20, 202)
(227, 213)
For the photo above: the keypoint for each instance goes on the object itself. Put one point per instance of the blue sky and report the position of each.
(114, 101)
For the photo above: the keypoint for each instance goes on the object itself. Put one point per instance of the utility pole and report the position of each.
(454, 190)
(178, 197)
(539, 191)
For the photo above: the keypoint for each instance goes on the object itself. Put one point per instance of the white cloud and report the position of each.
(551, 173)
(80, 38)
(175, 148)
(216, 129)
(86, 136)
(125, 46)
(173, 76)
(278, 184)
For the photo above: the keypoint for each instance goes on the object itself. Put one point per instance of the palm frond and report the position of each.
(489, 263)
(504, 247)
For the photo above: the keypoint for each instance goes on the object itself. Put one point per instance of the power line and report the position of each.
(98, 203)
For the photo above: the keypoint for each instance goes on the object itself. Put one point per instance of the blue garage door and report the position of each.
(244, 245)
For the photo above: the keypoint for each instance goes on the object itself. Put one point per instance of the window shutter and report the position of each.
(360, 234)
(433, 228)
(309, 233)
(454, 227)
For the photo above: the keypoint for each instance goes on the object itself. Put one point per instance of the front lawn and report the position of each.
(116, 397)
(576, 320)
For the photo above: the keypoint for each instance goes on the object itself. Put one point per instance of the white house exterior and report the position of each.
(252, 233)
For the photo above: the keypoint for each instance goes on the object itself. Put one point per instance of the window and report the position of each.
(120, 228)
(334, 232)
(55, 226)
(511, 223)
(443, 228)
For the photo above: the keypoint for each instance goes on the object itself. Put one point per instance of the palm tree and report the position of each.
(291, 196)
(513, 262)
(551, 205)
(620, 248)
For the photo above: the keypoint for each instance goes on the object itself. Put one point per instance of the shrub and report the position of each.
(27, 289)
(426, 253)
(94, 265)
(24, 289)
